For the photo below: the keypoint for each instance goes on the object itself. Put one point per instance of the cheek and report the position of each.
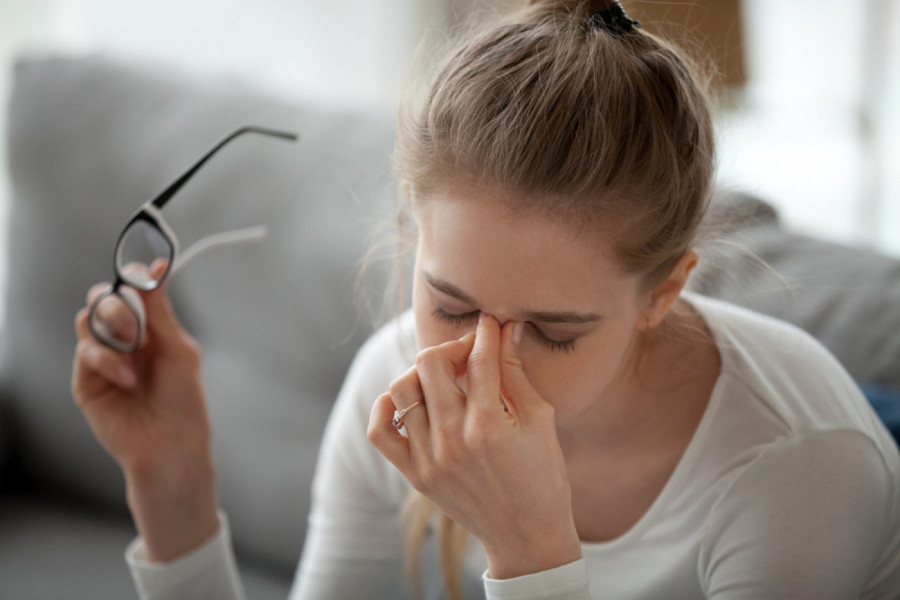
(571, 382)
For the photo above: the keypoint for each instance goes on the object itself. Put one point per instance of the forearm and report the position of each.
(174, 509)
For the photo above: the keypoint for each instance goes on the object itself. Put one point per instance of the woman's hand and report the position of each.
(147, 409)
(499, 474)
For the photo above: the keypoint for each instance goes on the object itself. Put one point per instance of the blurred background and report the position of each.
(808, 92)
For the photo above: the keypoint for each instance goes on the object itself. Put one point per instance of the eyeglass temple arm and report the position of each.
(170, 191)
(226, 238)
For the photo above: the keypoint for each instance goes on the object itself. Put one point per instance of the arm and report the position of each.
(148, 410)
(808, 519)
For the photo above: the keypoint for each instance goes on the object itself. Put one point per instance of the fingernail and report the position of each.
(517, 332)
(481, 317)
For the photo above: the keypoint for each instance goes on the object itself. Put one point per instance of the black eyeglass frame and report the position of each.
(150, 212)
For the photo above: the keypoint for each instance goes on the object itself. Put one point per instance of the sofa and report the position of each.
(90, 138)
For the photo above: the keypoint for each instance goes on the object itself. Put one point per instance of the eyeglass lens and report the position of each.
(116, 319)
(140, 246)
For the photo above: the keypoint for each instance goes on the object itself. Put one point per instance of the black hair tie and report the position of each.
(614, 19)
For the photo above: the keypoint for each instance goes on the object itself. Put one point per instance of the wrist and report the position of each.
(527, 555)
(174, 508)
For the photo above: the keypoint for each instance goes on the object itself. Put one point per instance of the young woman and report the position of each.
(596, 431)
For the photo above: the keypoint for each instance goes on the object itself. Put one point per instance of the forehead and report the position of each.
(516, 260)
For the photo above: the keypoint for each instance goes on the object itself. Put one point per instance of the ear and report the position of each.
(664, 296)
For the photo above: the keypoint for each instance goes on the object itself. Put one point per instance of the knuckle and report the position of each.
(511, 360)
(396, 387)
(478, 440)
(401, 389)
(85, 355)
(428, 358)
(373, 433)
(479, 359)
(81, 317)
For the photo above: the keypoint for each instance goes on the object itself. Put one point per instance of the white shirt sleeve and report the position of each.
(208, 571)
(568, 582)
(805, 520)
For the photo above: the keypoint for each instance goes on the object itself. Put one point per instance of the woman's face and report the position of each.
(581, 312)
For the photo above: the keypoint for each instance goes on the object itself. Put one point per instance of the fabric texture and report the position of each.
(197, 574)
(790, 487)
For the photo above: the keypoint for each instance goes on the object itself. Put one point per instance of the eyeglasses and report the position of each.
(147, 253)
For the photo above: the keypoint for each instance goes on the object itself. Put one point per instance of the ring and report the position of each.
(397, 421)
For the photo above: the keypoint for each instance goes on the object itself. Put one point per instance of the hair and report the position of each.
(607, 130)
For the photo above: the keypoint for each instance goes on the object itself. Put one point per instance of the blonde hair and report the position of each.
(607, 130)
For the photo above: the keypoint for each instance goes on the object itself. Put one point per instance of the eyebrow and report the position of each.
(541, 316)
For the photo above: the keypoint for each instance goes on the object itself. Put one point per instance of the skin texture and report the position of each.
(517, 311)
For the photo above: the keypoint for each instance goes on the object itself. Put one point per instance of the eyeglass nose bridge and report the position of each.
(105, 332)
(146, 239)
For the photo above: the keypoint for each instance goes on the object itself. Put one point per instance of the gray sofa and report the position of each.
(91, 138)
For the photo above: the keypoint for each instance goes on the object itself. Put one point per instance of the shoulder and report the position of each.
(384, 356)
(782, 371)
(813, 515)
(740, 332)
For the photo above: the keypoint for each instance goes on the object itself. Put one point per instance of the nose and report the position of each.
(502, 319)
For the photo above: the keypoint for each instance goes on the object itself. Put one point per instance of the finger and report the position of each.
(516, 389)
(385, 437)
(82, 330)
(483, 376)
(162, 324)
(405, 392)
(438, 369)
(93, 358)
(95, 290)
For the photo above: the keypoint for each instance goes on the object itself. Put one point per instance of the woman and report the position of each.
(597, 432)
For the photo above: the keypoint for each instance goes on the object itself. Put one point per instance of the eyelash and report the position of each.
(553, 345)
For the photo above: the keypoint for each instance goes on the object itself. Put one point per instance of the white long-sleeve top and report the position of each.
(789, 488)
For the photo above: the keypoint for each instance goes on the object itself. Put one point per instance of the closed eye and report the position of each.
(564, 346)
(453, 318)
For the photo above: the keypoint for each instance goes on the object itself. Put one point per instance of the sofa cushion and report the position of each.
(90, 139)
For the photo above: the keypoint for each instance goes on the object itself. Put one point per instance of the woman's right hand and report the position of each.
(148, 410)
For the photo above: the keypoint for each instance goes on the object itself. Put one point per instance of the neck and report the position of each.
(662, 388)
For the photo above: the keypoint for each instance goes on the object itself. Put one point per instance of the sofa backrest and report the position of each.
(90, 139)
(846, 297)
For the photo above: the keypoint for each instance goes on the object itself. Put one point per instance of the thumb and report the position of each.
(517, 391)
(162, 324)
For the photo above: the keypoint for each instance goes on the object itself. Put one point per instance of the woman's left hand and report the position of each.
(499, 474)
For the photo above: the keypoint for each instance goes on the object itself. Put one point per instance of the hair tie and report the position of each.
(614, 19)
